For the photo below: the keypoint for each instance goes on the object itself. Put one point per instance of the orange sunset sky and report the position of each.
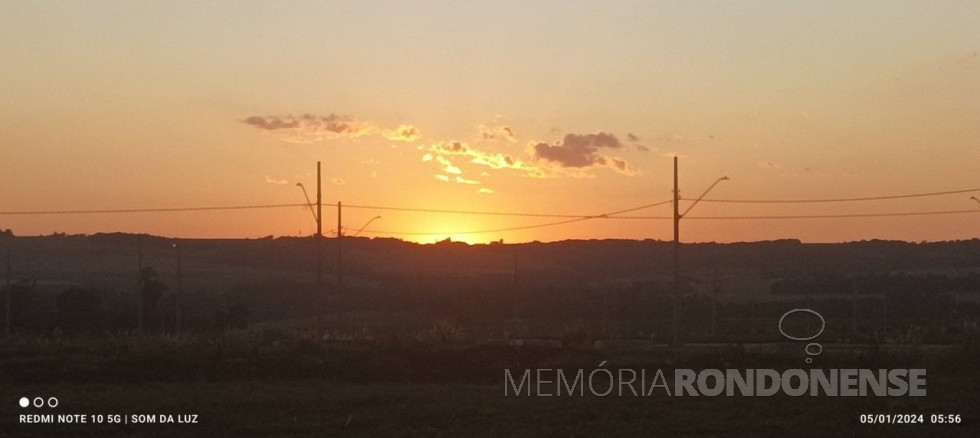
(541, 107)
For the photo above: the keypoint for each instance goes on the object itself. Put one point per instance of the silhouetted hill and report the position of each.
(226, 281)
(585, 259)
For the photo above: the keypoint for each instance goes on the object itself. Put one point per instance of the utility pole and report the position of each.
(675, 324)
(319, 229)
(340, 248)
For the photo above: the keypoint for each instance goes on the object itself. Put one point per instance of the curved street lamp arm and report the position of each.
(309, 203)
(365, 225)
(724, 178)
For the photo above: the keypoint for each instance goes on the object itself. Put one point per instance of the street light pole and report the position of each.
(319, 224)
(309, 203)
(676, 321)
(365, 225)
(319, 228)
(675, 328)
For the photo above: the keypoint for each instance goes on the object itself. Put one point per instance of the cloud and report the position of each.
(309, 128)
(497, 133)
(574, 156)
(488, 159)
(577, 150)
(580, 151)
(406, 133)
(275, 181)
(479, 157)
(619, 165)
(271, 123)
(457, 179)
(451, 148)
(448, 166)
(633, 138)
(484, 190)
(497, 161)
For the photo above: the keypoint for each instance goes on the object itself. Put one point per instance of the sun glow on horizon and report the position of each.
(469, 239)
(461, 119)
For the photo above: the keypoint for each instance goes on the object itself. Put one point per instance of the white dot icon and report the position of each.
(24, 402)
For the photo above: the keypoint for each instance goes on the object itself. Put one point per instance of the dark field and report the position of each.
(416, 339)
(286, 384)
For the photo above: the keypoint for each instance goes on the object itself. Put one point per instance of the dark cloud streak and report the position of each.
(581, 151)
(311, 124)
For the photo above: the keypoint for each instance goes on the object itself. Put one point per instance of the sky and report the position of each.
(542, 108)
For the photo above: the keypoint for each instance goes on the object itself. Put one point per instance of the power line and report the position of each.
(571, 218)
(148, 210)
(484, 213)
(804, 201)
(609, 215)
(838, 216)
(367, 207)
(495, 213)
